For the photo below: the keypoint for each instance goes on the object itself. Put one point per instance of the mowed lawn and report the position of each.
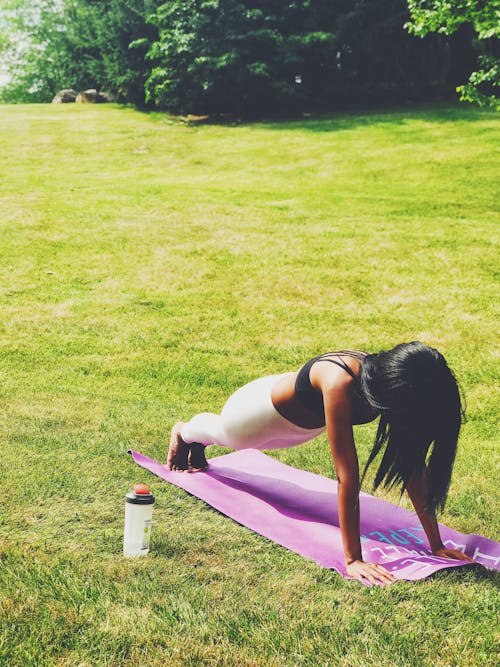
(148, 268)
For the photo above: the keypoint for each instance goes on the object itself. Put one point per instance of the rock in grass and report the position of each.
(65, 96)
(92, 96)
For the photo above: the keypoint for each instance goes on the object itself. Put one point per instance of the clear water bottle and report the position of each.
(138, 515)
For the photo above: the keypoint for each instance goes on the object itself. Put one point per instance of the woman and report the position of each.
(410, 388)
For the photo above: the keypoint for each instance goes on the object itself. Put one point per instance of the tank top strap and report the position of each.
(338, 362)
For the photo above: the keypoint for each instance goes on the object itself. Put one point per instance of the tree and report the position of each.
(376, 53)
(234, 55)
(230, 55)
(123, 35)
(46, 45)
(448, 16)
(225, 55)
(50, 45)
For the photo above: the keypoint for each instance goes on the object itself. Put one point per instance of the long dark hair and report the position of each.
(420, 405)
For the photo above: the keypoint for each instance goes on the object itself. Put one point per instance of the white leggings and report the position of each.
(248, 420)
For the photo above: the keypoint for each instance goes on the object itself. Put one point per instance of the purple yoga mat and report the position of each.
(298, 510)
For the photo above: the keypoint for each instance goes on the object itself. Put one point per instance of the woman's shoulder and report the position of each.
(330, 374)
(347, 361)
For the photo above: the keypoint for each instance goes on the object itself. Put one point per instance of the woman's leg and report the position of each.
(206, 429)
(188, 441)
(229, 429)
(247, 420)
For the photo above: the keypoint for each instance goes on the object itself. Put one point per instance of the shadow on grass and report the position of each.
(324, 122)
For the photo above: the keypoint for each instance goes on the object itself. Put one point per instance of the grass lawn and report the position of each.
(148, 268)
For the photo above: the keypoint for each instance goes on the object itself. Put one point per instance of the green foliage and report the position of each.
(53, 46)
(224, 54)
(489, 74)
(75, 44)
(446, 16)
(376, 51)
(231, 55)
(123, 35)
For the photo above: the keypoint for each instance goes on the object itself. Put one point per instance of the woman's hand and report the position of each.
(443, 552)
(371, 572)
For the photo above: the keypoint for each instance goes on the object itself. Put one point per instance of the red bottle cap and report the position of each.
(140, 489)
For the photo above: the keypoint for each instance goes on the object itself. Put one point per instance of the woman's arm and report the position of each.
(338, 414)
(417, 490)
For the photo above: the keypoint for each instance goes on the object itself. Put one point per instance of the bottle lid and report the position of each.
(139, 489)
(140, 495)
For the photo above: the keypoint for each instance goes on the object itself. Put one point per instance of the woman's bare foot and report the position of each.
(196, 458)
(178, 450)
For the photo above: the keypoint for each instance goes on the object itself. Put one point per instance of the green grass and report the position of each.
(148, 268)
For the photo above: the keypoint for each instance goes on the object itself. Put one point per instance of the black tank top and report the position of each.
(312, 399)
